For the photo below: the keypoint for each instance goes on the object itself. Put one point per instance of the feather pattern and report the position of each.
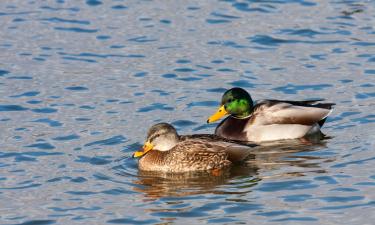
(287, 112)
(186, 156)
(197, 152)
(276, 120)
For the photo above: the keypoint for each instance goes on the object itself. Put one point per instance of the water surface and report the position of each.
(82, 81)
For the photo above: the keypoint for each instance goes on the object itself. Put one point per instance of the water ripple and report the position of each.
(294, 89)
(44, 110)
(93, 2)
(76, 29)
(7, 108)
(43, 146)
(155, 106)
(38, 222)
(26, 94)
(119, 7)
(51, 123)
(61, 20)
(141, 39)
(275, 42)
(286, 185)
(115, 140)
(66, 138)
(3, 72)
(133, 220)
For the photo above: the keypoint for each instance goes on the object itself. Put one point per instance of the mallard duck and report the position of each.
(268, 120)
(166, 151)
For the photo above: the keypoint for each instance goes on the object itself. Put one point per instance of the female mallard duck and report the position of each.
(268, 120)
(166, 151)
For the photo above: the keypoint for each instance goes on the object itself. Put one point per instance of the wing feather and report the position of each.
(198, 155)
(289, 112)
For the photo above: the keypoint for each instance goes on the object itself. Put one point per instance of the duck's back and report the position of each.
(189, 155)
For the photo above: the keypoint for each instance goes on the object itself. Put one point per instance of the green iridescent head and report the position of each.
(236, 102)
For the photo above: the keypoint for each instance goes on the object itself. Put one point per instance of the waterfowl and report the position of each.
(166, 151)
(268, 120)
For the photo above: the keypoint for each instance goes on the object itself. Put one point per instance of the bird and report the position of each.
(166, 151)
(268, 120)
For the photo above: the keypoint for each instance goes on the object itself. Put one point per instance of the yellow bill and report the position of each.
(146, 147)
(218, 114)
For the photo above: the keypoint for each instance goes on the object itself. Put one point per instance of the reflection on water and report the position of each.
(294, 154)
(178, 185)
(157, 184)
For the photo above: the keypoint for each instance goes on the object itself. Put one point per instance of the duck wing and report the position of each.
(207, 137)
(217, 139)
(317, 103)
(193, 155)
(203, 145)
(310, 112)
(236, 151)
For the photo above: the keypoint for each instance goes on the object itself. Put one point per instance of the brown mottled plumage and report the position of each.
(188, 153)
(186, 156)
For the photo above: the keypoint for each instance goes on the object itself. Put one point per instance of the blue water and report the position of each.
(82, 81)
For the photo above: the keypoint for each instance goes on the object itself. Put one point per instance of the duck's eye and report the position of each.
(230, 100)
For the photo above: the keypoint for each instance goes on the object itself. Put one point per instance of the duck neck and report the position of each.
(246, 114)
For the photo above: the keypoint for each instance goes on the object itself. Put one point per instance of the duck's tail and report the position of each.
(325, 106)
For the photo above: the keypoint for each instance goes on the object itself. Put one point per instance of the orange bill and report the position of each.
(218, 114)
(146, 147)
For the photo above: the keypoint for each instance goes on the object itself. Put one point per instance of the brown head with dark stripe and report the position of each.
(161, 136)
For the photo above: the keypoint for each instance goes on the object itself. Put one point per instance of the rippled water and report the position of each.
(82, 81)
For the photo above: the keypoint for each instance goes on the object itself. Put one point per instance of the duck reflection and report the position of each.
(288, 158)
(156, 184)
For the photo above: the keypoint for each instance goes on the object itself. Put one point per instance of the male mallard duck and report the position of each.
(166, 151)
(268, 120)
